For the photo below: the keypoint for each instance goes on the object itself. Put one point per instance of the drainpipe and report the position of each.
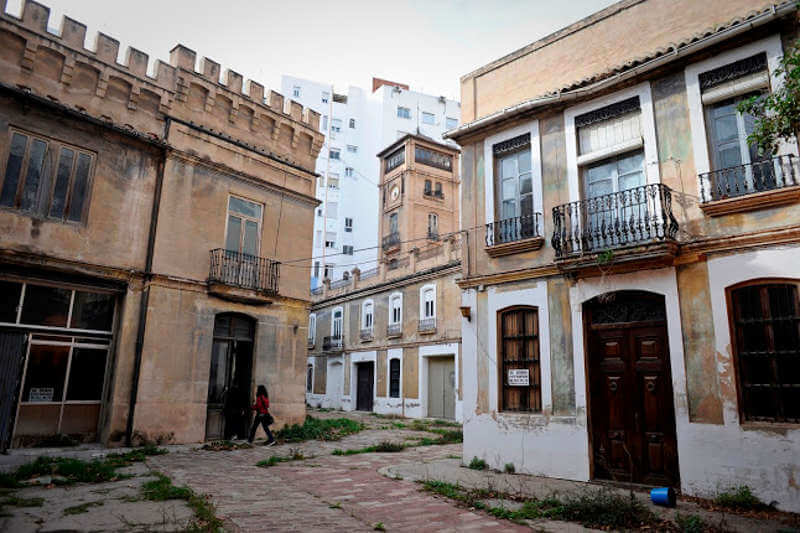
(148, 276)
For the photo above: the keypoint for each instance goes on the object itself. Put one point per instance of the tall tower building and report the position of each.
(357, 124)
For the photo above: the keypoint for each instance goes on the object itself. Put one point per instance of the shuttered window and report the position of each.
(394, 378)
(519, 360)
(766, 326)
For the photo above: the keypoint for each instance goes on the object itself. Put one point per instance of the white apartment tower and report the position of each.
(358, 124)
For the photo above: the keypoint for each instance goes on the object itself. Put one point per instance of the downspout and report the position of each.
(148, 276)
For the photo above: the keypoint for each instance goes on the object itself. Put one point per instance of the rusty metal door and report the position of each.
(12, 358)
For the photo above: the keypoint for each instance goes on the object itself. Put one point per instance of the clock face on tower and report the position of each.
(395, 192)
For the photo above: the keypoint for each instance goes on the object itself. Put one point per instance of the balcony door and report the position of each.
(242, 239)
(514, 190)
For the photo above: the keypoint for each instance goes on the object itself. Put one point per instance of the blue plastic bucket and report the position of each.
(663, 496)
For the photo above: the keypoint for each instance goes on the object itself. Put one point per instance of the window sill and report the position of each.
(515, 247)
(751, 202)
(430, 331)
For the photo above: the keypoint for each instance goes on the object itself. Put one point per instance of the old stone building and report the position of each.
(143, 219)
(633, 266)
(388, 340)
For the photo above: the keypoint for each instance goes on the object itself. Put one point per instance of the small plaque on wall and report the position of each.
(519, 377)
(41, 394)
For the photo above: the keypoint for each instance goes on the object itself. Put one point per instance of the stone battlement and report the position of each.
(61, 69)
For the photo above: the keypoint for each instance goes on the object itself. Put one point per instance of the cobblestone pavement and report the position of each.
(323, 492)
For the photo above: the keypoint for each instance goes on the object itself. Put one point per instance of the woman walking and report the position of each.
(263, 417)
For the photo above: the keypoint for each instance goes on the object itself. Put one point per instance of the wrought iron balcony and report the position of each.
(391, 241)
(394, 330)
(366, 334)
(513, 229)
(765, 175)
(244, 271)
(434, 194)
(637, 216)
(433, 234)
(427, 324)
(332, 344)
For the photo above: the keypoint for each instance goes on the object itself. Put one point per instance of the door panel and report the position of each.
(12, 357)
(365, 376)
(631, 403)
(441, 387)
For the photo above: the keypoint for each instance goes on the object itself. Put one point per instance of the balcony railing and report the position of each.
(513, 229)
(433, 234)
(331, 343)
(768, 174)
(244, 271)
(391, 241)
(367, 334)
(636, 216)
(427, 324)
(433, 194)
(394, 330)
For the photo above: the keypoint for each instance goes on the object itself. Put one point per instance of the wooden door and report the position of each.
(631, 402)
(441, 387)
(365, 376)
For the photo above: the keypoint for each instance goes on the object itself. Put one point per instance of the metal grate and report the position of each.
(427, 324)
(732, 71)
(244, 270)
(332, 343)
(608, 112)
(510, 145)
(512, 229)
(395, 159)
(760, 176)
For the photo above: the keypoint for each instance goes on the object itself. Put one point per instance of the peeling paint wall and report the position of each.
(561, 367)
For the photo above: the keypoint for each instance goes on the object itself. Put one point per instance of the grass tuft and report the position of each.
(509, 468)
(162, 489)
(319, 429)
(740, 498)
(478, 464)
(16, 501)
(82, 508)
(690, 523)
(385, 446)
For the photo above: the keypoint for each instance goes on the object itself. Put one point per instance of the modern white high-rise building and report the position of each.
(358, 124)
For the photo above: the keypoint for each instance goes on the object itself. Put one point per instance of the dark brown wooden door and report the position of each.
(631, 402)
(365, 378)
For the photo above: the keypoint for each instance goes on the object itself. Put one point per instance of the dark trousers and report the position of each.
(260, 419)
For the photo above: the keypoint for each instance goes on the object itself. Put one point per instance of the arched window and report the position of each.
(367, 314)
(310, 378)
(428, 191)
(427, 302)
(396, 308)
(336, 323)
(765, 323)
(394, 378)
(433, 225)
(518, 361)
(312, 328)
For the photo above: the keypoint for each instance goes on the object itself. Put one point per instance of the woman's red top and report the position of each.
(262, 405)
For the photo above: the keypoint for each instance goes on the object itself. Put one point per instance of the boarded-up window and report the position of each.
(394, 378)
(766, 325)
(519, 360)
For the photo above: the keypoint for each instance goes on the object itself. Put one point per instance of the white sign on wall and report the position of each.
(519, 377)
(41, 394)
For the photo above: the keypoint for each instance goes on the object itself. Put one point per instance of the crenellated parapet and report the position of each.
(59, 67)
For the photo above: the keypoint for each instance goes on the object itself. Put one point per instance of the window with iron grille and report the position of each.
(519, 359)
(766, 328)
(394, 378)
(45, 177)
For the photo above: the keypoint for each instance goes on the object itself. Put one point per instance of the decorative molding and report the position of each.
(614, 110)
(732, 71)
(515, 247)
(751, 202)
(520, 141)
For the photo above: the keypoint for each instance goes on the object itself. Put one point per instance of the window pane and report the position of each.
(79, 188)
(508, 167)
(93, 311)
(86, 374)
(599, 188)
(33, 178)
(44, 378)
(250, 238)
(525, 183)
(15, 156)
(243, 207)
(63, 172)
(217, 377)
(524, 161)
(9, 300)
(725, 126)
(526, 205)
(233, 240)
(509, 209)
(509, 189)
(45, 306)
(629, 181)
(631, 163)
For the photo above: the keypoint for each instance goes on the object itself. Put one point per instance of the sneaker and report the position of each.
(272, 443)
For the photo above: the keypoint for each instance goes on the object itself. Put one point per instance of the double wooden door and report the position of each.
(631, 403)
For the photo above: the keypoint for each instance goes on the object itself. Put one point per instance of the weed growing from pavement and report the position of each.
(225, 445)
(509, 468)
(336, 505)
(384, 447)
(600, 509)
(740, 498)
(379, 527)
(16, 501)
(319, 429)
(690, 523)
(82, 508)
(294, 455)
(478, 464)
(162, 489)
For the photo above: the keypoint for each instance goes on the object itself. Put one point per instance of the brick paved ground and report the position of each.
(323, 493)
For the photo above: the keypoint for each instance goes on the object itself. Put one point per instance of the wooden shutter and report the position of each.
(519, 350)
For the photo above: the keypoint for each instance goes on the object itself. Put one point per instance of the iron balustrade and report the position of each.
(768, 174)
(513, 229)
(391, 240)
(331, 343)
(366, 334)
(244, 270)
(427, 324)
(394, 329)
(634, 216)
(433, 194)
(433, 234)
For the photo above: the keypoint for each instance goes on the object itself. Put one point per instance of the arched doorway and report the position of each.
(631, 409)
(229, 380)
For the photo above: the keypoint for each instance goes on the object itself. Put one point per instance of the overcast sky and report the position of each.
(427, 44)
